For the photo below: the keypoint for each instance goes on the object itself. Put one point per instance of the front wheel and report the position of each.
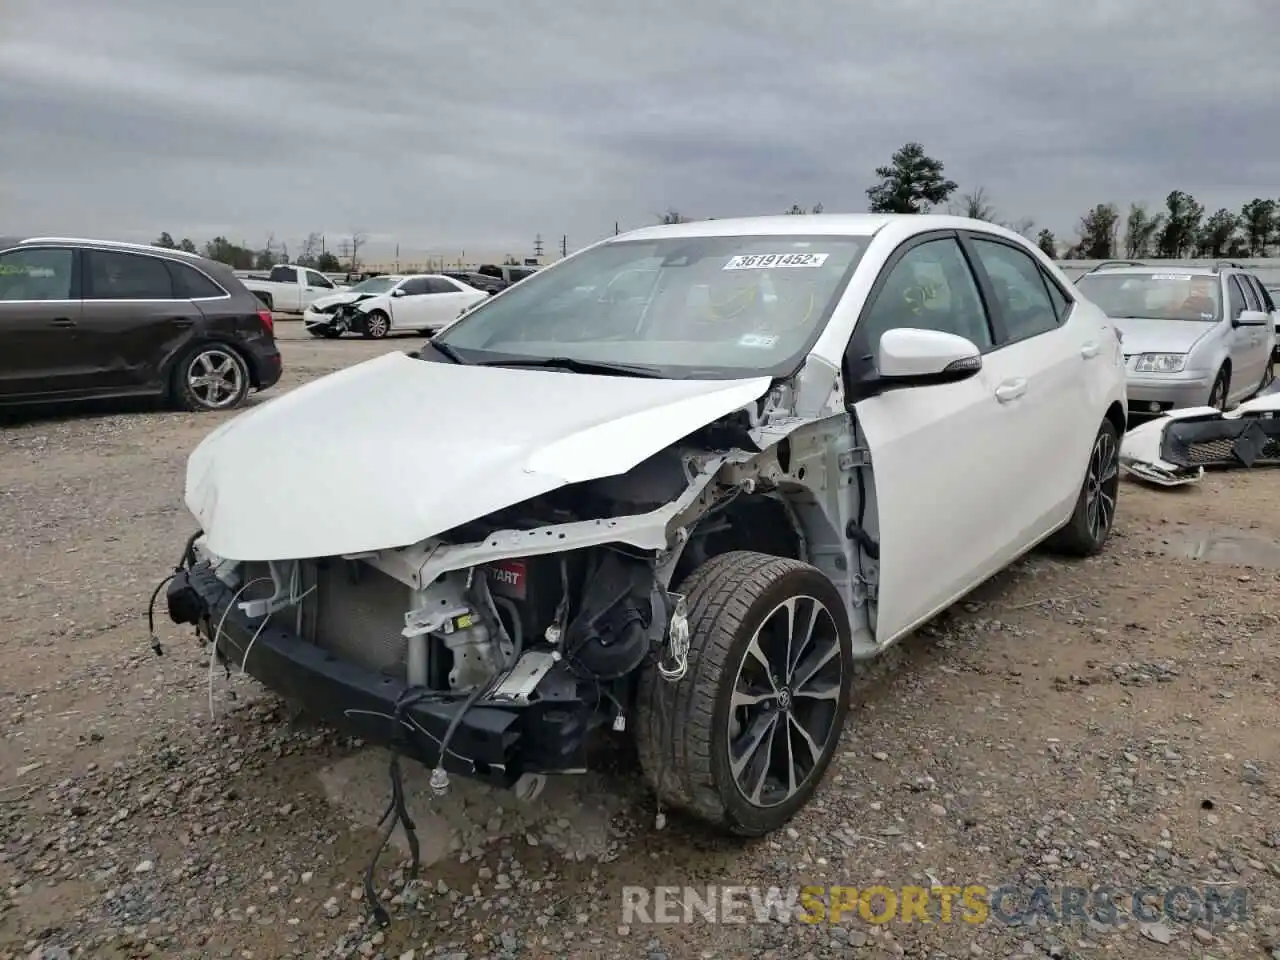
(211, 376)
(376, 325)
(743, 739)
(1095, 512)
(1220, 390)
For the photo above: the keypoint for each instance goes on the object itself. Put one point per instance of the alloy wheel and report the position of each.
(1101, 485)
(377, 325)
(215, 378)
(784, 705)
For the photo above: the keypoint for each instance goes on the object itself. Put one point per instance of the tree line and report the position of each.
(239, 257)
(914, 182)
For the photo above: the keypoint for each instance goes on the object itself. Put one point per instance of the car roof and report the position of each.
(111, 245)
(829, 224)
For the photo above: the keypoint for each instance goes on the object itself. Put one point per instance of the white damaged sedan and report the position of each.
(672, 486)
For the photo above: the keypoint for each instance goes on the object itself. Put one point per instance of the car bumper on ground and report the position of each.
(1154, 394)
(492, 743)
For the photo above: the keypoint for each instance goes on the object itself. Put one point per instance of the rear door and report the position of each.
(1051, 360)
(955, 437)
(134, 317)
(1268, 307)
(445, 300)
(40, 349)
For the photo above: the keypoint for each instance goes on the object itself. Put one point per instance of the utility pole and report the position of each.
(537, 246)
(564, 245)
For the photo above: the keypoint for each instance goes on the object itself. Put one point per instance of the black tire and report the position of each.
(1087, 531)
(683, 727)
(376, 325)
(202, 362)
(1220, 390)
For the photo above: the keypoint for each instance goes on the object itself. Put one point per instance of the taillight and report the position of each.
(267, 323)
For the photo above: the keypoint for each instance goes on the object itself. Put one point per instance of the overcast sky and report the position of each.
(448, 125)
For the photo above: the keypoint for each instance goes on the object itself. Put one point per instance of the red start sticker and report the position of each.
(507, 577)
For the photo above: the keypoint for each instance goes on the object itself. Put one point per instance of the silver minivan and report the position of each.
(1192, 336)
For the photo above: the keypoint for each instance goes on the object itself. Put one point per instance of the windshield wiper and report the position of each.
(447, 350)
(576, 366)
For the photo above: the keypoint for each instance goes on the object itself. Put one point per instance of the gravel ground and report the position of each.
(1106, 722)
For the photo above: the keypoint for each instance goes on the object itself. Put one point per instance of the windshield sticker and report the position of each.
(1171, 276)
(764, 261)
(757, 340)
(1206, 316)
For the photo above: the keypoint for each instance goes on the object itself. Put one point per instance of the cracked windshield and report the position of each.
(704, 306)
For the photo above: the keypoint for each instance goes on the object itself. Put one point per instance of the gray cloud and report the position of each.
(453, 125)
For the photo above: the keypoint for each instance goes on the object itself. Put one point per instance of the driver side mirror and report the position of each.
(911, 357)
(398, 292)
(1252, 318)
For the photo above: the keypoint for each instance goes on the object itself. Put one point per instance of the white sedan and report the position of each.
(422, 303)
(688, 476)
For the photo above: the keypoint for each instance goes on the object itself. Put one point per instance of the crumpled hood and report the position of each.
(1144, 335)
(395, 450)
(324, 303)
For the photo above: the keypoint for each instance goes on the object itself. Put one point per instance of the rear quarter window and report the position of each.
(190, 283)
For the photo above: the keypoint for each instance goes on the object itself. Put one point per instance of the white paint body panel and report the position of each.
(395, 450)
(967, 476)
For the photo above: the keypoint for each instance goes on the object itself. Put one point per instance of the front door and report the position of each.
(1246, 344)
(946, 499)
(41, 350)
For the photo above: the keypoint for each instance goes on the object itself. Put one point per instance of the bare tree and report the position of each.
(310, 250)
(975, 206)
(1023, 226)
(358, 238)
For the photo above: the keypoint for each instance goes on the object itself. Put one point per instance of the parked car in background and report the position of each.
(506, 273)
(681, 505)
(291, 289)
(480, 281)
(1271, 301)
(423, 303)
(1193, 336)
(84, 319)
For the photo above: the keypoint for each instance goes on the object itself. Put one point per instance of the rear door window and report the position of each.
(439, 285)
(126, 276)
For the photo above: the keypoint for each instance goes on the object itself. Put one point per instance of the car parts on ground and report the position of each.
(1173, 450)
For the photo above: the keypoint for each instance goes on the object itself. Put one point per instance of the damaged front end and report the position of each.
(1173, 450)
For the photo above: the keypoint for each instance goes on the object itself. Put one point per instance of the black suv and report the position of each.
(83, 319)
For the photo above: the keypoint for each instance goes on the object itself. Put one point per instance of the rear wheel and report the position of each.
(211, 376)
(1220, 390)
(743, 739)
(1095, 512)
(376, 325)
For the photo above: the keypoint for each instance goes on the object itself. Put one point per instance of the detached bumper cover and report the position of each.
(1173, 450)
(496, 744)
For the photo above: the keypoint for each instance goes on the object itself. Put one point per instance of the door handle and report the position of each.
(183, 321)
(1089, 350)
(62, 322)
(1011, 389)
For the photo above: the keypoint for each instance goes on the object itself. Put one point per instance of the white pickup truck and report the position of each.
(291, 289)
